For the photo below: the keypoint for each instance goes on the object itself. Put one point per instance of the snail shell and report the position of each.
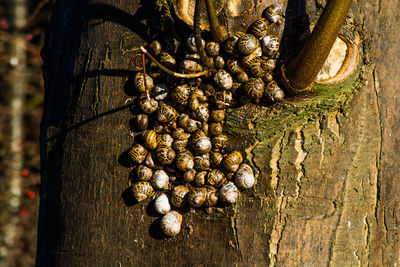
(160, 179)
(149, 138)
(231, 161)
(137, 153)
(244, 177)
(184, 161)
(181, 93)
(219, 142)
(167, 60)
(223, 99)
(270, 45)
(215, 159)
(247, 44)
(233, 66)
(192, 126)
(259, 28)
(219, 62)
(178, 133)
(215, 128)
(191, 44)
(144, 173)
(199, 94)
(274, 92)
(212, 49)
(274, 13)
(178, 196)
(183, 120)
(267, 77)
(216, 178)
(179, 145)
(155, 47)
(202, 145)
(242, 77)
(190, 66)
(228, 194)
(197, 196)
(257, 71)
(254, 89)
(217, 115)
(165, 155)
(152, 162)
(200, 178)
(223, 79)
(166, 113)
(188, 176)
(250, 60)
(202, 162)
(201, 113)
(161, 204)
(171, 223)
(164, 140)
(141, 122)
(160, 91)
(148, 105)
(193, 103)
(230, 44)
(211, 196)
(139, 82)
(142, 190)
(268, 65)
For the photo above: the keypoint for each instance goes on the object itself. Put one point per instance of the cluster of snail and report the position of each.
(181, 152)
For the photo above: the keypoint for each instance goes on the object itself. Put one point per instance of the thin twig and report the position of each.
(144, 76)
(175, 74)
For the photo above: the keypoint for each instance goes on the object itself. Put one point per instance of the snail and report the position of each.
(217, 115)
(139, 82)
(223, 79)
(212, 49)
(148, 105)
(267, 77)
(160, 92)
(274, 13)
(259, 28)
(164, 140)
(215, 159)
(215, 178)
(161, 204)
(179, 145)
(193, 103)
(268, 65)
(142, 190)
(151, 162)
(231, 161)
(184, 161)
(165, 155)
(144, 173)
(188, 176)
(166, 113)
(171, 223)
(242, 77)
(149, 138)
(160, 179)
(197, 196)
(201, 113)
(190, 66)
(250, 60)
(257, 71)
(270, 45)
(230, 44)
(247, 44)
(141, 122)
(228, 194)
(202, 162)
(178, 196)
(223, 99)
(181, 93)
(219, 142)
(202, 145)
(233, 66)
(155, 47)
(244, 177)
(200, 178)
(254, 89)
(167, 60)
(215, 128)
(274, 92)
(137, 153)
(211, 196)
(191, 44)
(219, 62)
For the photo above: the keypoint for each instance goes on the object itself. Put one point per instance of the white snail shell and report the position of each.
(160, 179)
(223, 80)
(244, 177)
(270, 45)
(201, 113)
(171, 223)
(228, 193)
(191, 44)
(161, 204)
(160, 91)
(202, 145)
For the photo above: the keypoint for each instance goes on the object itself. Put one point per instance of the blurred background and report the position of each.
(22, 27)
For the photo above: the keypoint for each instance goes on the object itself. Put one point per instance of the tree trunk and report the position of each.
(326, 161)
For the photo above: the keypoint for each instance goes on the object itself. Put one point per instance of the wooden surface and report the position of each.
(327, 185)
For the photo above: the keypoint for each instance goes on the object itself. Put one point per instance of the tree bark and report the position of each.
(327, 161)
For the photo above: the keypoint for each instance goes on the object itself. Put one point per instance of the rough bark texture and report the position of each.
(327, 162)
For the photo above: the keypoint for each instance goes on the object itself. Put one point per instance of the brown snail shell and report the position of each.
(223, 79)
(199, 94)
(202, 162)
(219, 62)
(197, 196)
(201, 113)
(223, 99)
(141, 122)
(231, 161)
(260, 28)
(190, 66)
(254, 89)
(191, 44)
(137, 153)
(212, 49)
(181, 93)
(165, 155)
(142, 190)
(139, 82)
(217, 115)
(192, 126)
(233, 66)
(167, 60)
(257, 71)
(274, 92)
(270, 45)
(184, 161)
(171, 223)
(179, 195)
(274, 13)
(202, 145)
(247, 44)
(219, 142)
(216, 178)
(230, 44)
(160, 92)
(188, 176)
(155, 47)
(200, 178)
(161, 204)
(215, 159)
(228, 194)
(244, 177)
(211, 196)
(166, 113)
(193, 103)
(269, 64)
(164, 140)
(160, 179)
(183, 120)
(144, 173)
(149, 138)
(215, 128)
(180, 145)
(268, 77)
(148, 105)
(242, 77)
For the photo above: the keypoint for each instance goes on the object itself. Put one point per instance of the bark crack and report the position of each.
(299, 160)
